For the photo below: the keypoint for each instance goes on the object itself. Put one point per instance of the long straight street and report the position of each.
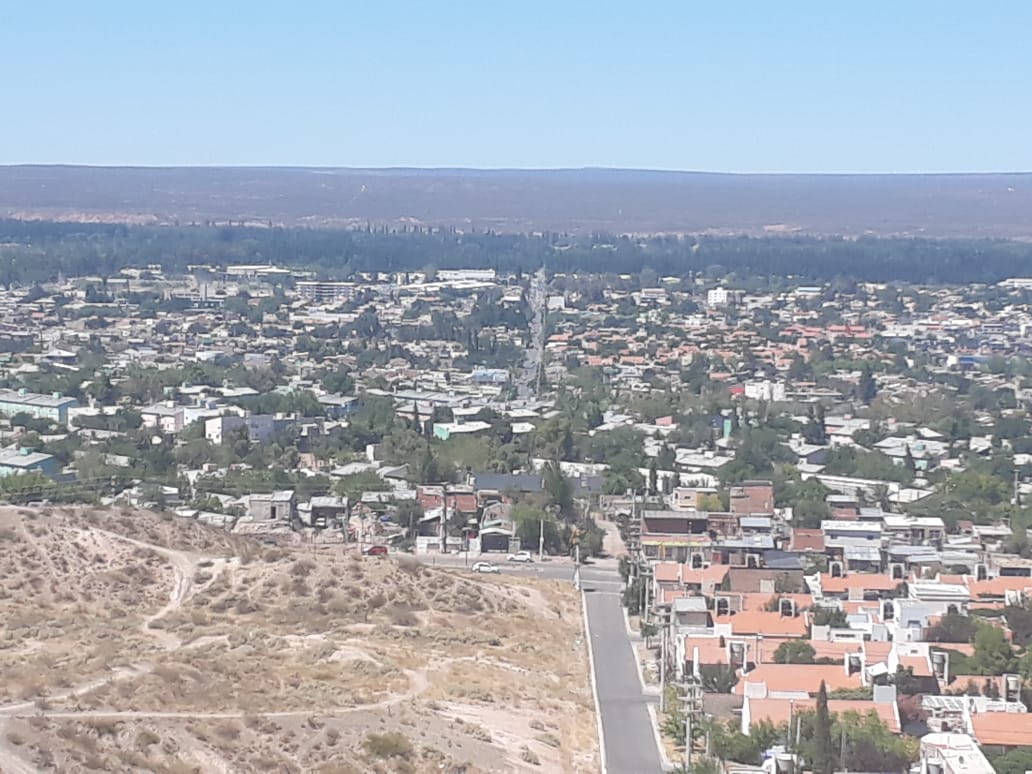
(629, 739)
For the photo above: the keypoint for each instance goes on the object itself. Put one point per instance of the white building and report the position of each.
(765, 390)
(718, 297)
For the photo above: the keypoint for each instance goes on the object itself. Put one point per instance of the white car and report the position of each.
(522, 556)
(485, 567)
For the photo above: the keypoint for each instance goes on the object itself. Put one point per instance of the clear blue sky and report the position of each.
(770, 85)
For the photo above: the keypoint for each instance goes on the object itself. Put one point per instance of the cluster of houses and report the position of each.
(852, 604)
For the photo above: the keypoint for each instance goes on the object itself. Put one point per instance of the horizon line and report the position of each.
(504, 170)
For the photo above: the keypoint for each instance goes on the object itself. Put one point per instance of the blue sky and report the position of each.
(829, 86)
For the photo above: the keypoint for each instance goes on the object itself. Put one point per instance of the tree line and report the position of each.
(38, 251)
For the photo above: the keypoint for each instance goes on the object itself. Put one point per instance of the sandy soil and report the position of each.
(134, 642)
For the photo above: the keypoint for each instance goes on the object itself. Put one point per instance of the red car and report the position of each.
(376, 551)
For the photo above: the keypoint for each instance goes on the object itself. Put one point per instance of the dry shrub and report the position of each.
(409, 564)
(273, 555)
(228, 730)
(389, 745)
(529, 756)
(104, 726)
(400, 615)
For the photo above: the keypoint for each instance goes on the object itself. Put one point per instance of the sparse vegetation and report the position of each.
(335, 660)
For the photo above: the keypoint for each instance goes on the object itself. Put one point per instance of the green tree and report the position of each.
(795, 652)
(993, 653)
(559, 490)
(953, 627)
(822, 759)
(867, 387)
(718, 678)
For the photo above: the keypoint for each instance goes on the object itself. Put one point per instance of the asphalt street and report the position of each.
(630, 742)
(629, 738)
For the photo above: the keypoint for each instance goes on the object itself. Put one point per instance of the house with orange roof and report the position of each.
(761, 622)
(1002, 729)
(695, 652)
(790, 681)
(998, 589)
(781, 711)
(807, 540)
(856, 585)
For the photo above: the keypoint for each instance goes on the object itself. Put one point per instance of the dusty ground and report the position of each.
(133, 642)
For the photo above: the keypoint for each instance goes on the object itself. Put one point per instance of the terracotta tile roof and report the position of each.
(918, 664)
(666, 596)
(765, 623)
(857, 580)
(807, 539)
(779, 711)
(711, 651)
(666, 572)
(799, 677)
(1007, 729)
(858, 606)
(877, 651)
(672, 572)
(997, 587)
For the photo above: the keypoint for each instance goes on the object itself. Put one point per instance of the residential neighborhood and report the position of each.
(820, 485)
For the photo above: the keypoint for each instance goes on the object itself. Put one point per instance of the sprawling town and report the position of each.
(773, 496)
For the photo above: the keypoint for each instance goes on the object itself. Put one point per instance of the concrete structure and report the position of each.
(260, 427)
(326, 292)
(717, 297)
(272, 506)
(52, 407)
(15, 461)
(165, 417)
(952, 754)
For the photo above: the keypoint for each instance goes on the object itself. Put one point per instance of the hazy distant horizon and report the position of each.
(519, 170)
(520, 201)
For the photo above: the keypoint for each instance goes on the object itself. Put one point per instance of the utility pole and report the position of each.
(692, 703)
(541, 540)
(576, 565)
(664, 622)
(444, 521)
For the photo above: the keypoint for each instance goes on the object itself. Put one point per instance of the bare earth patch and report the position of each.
(135, 642)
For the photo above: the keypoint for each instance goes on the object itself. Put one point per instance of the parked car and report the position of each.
(376, 551)
(485, 567)
(521, 556)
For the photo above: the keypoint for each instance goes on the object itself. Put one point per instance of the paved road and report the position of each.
(630, 741)
(627, 731)
(526, 382)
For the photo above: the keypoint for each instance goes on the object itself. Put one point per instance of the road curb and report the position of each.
(668, 765)
(594, 686)
(627, 623)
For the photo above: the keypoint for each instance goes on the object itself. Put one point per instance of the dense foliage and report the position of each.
(39, 250)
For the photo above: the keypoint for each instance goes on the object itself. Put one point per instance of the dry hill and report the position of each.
(136, 642)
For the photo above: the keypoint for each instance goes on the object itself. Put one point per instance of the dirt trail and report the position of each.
(184, 567)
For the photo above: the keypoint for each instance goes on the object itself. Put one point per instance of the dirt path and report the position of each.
(185, 565)
(612, 543)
